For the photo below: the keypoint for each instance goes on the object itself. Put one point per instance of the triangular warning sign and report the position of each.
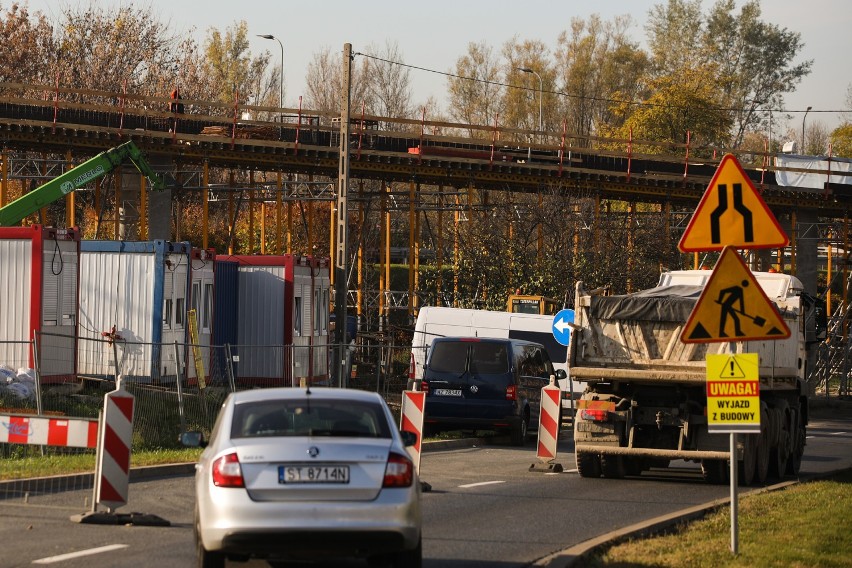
(732, 369)
(733, 307)
(732, 212)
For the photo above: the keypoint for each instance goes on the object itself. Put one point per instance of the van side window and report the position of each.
(540, 368)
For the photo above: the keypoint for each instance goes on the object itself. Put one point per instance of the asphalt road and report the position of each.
(485, 509)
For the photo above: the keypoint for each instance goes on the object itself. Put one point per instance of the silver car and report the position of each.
(301, 474)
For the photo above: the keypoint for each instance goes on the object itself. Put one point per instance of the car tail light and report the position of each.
(399, 471)
(424, 386)
(227, 472)
(411, 368)
(595, 414)
(512, 392)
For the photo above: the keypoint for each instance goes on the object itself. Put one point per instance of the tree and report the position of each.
(521, 105)
(598, 64)
(841, 141)
(752, 59)
(474, 91)
(28, 48)
(232, 68)
(324, 80)
(678, 104)
(388, 83)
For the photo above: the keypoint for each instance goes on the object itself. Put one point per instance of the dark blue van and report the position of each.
(485, 384)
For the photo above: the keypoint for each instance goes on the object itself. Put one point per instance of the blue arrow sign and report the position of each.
(562, 327)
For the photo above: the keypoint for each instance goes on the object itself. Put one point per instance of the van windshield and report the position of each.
(485, 357)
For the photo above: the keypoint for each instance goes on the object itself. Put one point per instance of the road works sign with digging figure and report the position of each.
(733, 307)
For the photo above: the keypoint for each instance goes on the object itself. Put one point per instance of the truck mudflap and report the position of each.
(652, 452)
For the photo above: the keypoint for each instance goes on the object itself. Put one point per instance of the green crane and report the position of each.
(77, 177)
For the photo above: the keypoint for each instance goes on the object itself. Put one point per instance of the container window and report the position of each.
(207, 312)
(297, 316)
(180, 310)
(167, 313)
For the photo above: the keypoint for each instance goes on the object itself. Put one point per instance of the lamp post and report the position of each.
(803, 127)
(280, 84)
(540, 96)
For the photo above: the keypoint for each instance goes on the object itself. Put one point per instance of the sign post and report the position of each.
(732, 307)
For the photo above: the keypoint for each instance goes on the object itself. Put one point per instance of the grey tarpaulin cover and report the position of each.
(665, 303)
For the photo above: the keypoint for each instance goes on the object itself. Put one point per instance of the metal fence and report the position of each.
(178, 387)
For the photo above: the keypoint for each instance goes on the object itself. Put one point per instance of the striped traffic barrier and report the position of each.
(548, 428)
(113, 467)
(411, 420)
(47, 431)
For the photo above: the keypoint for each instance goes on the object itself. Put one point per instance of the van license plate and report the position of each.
(448, 392)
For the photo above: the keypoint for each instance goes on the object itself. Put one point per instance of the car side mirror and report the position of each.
(193, 439)
(408, 438)
(561, 374)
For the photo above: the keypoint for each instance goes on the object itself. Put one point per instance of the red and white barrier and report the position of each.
(548, 422)
(113, 468)
(46, 431)
(411, 420)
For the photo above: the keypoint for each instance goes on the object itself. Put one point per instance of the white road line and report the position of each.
(480, 484)
(572, 470)
(80, 553)
(837, 433)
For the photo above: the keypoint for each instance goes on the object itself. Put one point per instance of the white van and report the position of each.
(435, 322)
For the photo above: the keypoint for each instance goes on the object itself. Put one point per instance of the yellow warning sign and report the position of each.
(733, 307)
(733, 393)
(732, 212)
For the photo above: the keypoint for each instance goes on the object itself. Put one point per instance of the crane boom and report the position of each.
(76, 177)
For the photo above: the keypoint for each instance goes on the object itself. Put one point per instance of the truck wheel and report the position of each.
(612, 466)
(749, 461)
(798, 446)
(714, 471)
(780, 453)
(588, 465)
(634, 466)
(761, 470)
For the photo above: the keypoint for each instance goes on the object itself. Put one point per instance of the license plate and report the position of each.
(448, 392)
(313, 474)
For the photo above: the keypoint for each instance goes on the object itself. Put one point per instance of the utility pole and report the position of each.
(341, 250)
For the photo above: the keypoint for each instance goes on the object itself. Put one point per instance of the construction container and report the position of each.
(133, 307)
(283, 306)
(38, 299)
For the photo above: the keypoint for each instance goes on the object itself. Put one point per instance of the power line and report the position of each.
(579, 97)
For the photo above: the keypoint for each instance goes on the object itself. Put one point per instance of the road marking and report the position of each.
(837, 433)
(572, 470)
(480, 484)
(79, 553)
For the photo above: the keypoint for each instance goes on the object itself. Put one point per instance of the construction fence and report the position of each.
(177, 387)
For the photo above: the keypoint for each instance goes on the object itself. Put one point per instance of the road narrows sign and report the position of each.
(732, 212)
(733, 307)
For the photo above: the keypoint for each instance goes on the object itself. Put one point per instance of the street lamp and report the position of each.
(281, 83)
(803, 128)
(540, 96)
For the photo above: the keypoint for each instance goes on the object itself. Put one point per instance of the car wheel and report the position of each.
(409, 558)
(206, 558)
(520, 430)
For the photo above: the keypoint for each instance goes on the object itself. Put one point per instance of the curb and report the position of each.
(578, 554)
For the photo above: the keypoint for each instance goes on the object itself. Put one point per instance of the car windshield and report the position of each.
(485, 357)
(305, 417)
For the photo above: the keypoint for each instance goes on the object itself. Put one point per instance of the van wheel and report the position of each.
(520, 430)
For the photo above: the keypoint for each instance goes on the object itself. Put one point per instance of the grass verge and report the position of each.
(803, 525)
(41, 466)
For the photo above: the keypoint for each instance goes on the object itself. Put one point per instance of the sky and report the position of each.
(433, 35)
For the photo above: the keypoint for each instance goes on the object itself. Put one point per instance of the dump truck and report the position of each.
(645, 397)
(75, 178)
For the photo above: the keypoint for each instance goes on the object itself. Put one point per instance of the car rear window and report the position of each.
(305, 417)
(486, 357)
